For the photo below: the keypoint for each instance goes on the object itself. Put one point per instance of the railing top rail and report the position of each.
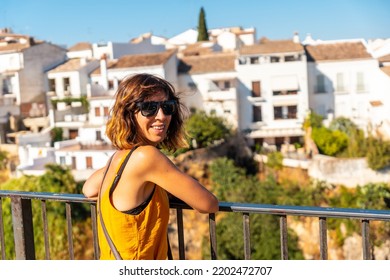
(66, 197)
(311, 211)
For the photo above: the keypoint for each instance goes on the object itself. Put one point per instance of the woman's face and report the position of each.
(155, 127)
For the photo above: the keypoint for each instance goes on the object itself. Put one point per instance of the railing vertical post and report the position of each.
(323, 239)
(366, 240)
(213, 236)
(180, 233)
(2, 241)
(283, 237)
(68, 210)
(94, 232)
(23, 228)
(247, 236)
(45, 230)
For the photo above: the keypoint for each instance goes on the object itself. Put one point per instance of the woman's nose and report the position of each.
(160, 114)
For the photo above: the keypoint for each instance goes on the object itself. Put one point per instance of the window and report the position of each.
(223, 84)
(275, 59)
(320, 86)
(73, 133)
(7, 86)
(285, 92)
(291, 112)
(98, 135)
(97, 112)
(62, 160)
(340, 86)
(256, 89)
(52, 85)
(257, 117)
(242, 60)
(88, 162)
(285, 112)
(254, 60)
(360, 82)
(110, 84)
(67, 85)
(191, 85)
(74, 163)
(288, 58)
(106, 111)
(278, 112)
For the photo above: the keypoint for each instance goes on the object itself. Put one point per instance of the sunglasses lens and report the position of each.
(168, 107)
(149, 109)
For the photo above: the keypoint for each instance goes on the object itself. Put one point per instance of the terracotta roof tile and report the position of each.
(276, 46)
(140, 60)
(73, 64)
(82, 46)
(386, 70)
(197, 49)
(385, 58)
(376, 103)
(110, 63)
(337, 51)
(207, 63)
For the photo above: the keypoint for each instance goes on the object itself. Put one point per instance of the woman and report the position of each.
(147, 115)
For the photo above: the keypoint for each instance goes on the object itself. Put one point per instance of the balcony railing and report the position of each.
(24, 232)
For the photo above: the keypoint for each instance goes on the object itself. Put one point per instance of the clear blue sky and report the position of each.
(67, 22)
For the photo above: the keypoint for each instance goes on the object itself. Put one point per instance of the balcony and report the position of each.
(23, 228)
(221, 95)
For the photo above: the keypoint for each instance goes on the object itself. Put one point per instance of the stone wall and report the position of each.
(348, 172)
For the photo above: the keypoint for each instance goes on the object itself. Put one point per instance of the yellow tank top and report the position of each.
(137, 237)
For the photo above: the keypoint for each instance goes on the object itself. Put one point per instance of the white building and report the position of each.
(346, 81)
(209, 82)
(262, 89)
(273, 80)
(23, 62)
(227, 38)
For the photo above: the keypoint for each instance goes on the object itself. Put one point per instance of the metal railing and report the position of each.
(24, 233)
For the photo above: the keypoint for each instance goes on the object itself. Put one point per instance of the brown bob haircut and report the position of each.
(122, 128)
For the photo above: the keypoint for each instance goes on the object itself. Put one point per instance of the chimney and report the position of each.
(83, 61)
(296, 37)
(103, 71)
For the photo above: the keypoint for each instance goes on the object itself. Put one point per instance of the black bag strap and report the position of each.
(108, 238)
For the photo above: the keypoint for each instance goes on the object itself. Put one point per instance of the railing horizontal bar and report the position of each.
(327, 212)
(47, 196)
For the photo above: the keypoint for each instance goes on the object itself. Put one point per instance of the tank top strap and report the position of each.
(120, 169)
(124, 162)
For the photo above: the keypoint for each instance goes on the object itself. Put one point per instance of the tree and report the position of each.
(57, 179)
(329, 142)
(357, 143)
(206, 129)
(3, 159)
(378, 153)
(202, 27)
(230, 183)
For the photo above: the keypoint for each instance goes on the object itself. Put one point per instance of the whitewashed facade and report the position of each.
(273, 84)
(346, 81)
(23, 62)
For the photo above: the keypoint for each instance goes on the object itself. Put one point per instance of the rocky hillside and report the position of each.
(196, 227)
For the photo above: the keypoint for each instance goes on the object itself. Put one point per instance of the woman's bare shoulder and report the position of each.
(147, 152)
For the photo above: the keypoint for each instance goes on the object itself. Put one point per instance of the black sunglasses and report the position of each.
(150, 108)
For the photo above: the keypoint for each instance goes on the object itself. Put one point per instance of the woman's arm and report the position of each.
(92, 184)
(155, 167)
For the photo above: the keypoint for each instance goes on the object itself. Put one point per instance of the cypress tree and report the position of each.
(202, 27)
